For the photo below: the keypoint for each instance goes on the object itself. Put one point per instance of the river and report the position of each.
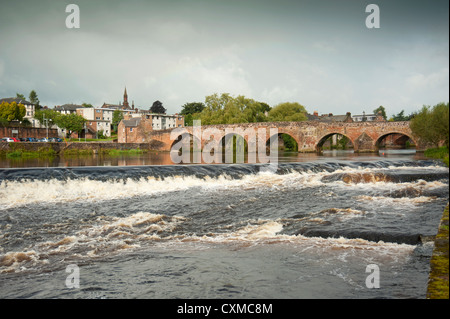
(135, 227)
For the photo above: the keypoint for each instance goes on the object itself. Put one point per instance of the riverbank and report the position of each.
(60, 149)
(438, 279)
(438, 153)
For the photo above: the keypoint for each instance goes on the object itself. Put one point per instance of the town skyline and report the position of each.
(320, 54)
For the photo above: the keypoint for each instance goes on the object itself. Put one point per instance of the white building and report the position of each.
(162, 121)
(368, 117)
(98, 119)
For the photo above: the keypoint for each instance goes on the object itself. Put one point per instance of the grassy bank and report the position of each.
(438, 153)
(45, 152)
(23, 153)
(438, 279)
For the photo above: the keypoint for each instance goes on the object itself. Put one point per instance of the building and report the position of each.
(161, 121)
(99, 120)
(30, 109)
(364, 117)
(134, 128)
(124, 106)
(67, 108)
(347, 118)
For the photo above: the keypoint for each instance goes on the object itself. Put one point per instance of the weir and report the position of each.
(286, 233)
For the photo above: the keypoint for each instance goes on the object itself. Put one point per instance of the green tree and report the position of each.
(87, 105)
(226, 109)
(288, 111)
(192, 108)
(46, 117)
(71, 123)
(12, 111)
(382, 110)
(20, 96)
(158, 108)
(431, 124)
(117, 117)
(401, 116)
(34, 99)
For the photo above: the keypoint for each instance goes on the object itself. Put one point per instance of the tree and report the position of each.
(382, 110)
(226, 109)
(34, 99)
(401, 116)
(431, 124)
(12, 111)
(20, 96)
(157, 107)
(46, 117)
(192, 108)
(87, 105)
(288, 111)
(71, 123)
(117, 117)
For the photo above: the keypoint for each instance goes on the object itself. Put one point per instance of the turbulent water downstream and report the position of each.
(221, 231)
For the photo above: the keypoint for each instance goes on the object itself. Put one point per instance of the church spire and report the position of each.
(125, 98)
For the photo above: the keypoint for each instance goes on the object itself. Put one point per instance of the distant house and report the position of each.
(30, 108)
(347, 118)
(161, 121)
(369, 117)
(98, 119)
(67, 108)
(364, 118)
(134, 128)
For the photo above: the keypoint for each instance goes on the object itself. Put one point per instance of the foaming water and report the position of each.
(221, 230)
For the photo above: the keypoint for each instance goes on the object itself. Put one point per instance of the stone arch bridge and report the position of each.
(309, 135)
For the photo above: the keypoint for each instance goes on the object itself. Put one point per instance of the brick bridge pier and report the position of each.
(309, 135)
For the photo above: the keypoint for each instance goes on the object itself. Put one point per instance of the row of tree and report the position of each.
(226, 109)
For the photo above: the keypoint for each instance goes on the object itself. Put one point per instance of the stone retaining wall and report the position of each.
(27, 132)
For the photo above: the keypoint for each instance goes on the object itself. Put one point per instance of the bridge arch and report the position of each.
(182, 148)
(395, 139)
(233, 146)
(345, 142)
(286, 140)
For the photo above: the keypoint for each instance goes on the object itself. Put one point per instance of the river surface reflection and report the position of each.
(163, 158)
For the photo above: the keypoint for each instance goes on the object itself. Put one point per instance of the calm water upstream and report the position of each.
(138, 228)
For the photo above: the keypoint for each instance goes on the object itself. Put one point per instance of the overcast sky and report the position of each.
(316, 52)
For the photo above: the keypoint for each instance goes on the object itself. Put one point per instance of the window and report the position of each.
(131, 129)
